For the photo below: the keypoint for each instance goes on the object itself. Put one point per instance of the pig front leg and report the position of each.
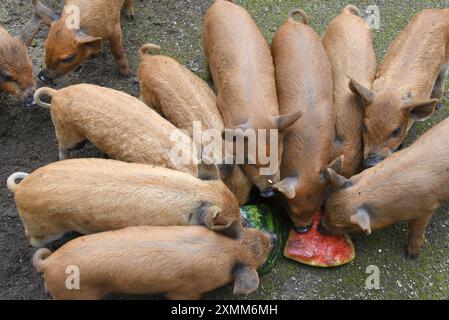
(417, 235)
(440, 85)
(129, 9)
(116, 42)
(68, 141)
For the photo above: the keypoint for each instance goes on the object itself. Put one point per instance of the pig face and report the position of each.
(16, 70)
(303, 192)
(305, 197)
(260, 244)
(65, 50)
(345, 212)
(388, 117)
(262, 159)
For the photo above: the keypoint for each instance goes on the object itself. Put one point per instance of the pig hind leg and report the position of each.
(129, 9)
(417, 234)
(68, 142)
(118, 51)
(440, 84)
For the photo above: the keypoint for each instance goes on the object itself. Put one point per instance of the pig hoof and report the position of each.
(412, 252)
(130, 14)
(126, 73)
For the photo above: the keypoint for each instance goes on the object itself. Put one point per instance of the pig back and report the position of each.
(148, 260)
(349, 45)
(98, 195)
(304, 82)
(120, 125)
(240, 63)
(178, 94)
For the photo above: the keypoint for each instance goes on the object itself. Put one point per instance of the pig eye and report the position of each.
(68, 59)
(396, 132)
(6, 77)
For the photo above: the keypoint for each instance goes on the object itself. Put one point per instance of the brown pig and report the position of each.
(304, 83)
(183, 98)
(118, 124)
(16, 69)
(242, 69)
(93, 195)
(408, 86)
(349, 45)
(79, 33)
(408, 186)
(182, 262)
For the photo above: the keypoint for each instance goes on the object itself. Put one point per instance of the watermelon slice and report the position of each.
(319, 250)
(261, 217)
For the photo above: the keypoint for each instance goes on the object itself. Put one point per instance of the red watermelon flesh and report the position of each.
(316, 249)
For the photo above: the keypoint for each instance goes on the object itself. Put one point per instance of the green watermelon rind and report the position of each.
(261, 218)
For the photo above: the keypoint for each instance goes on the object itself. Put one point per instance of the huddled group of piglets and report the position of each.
(159, 226)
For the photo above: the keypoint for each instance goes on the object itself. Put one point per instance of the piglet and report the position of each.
(16, 69)
(79, 33)
(408, 86)
(118, 124)
(182, 262)
(349, 45)
(243, 73)
(183, 99)
(93, 195)
(304, 84)
(408, 186)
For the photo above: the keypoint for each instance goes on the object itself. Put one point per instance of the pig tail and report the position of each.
(44, 91)
(353, 9)
(39, 258)
(298, 12)
(11, 182)
(150, 49)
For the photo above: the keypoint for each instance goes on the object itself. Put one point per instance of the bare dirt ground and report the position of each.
(27, 142)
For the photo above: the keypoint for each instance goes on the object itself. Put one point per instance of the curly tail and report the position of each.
(39, 259)
(150, 49)
(11, 182)
(300, 14)
(353, 10)
(44, 91)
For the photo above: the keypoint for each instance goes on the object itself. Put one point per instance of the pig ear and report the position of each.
(363, 220)
(234, 231)
(208, 171)
(364, 93)
(46, 14)
(29, 31)
(287, 187)
(421, 111)
(246, 280)
(93, 43)
(336, 181)
(283, 122)
(241, 128)
(336, 166)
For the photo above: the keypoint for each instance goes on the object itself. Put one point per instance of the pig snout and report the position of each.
(303, 229)
(373, 160)
(322, 229)
(45, 78)
(267, 193)
(28, 98)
